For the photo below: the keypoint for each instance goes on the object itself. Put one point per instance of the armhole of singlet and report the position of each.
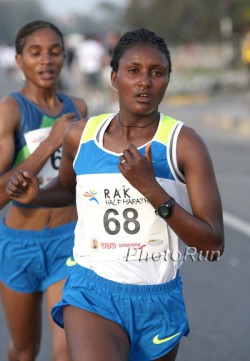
(172, 153)
(98, 137)
(102, 129)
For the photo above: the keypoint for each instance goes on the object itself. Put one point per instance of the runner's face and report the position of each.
(141, 79)
(42, 58)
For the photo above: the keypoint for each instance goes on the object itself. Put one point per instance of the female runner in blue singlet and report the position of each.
(35, 242)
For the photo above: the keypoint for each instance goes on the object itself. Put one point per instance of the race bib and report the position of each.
(50, 168)
(119, 223)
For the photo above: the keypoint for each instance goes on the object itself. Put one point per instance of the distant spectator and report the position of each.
(110, 41)
(90, 53)
(7, 58)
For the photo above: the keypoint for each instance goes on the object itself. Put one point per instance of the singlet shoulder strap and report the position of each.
(15, 95)
(167, 134)
(68, 103)
(166, 128)
(92, 126)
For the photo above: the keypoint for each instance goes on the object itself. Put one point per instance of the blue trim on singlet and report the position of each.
(93, 159)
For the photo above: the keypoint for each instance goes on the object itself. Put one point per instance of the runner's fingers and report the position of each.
(13, 190)
(18, 181)
(148, 152)
(122, 160)
(132, 152)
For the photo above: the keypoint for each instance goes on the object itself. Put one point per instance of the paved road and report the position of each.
(217, 294)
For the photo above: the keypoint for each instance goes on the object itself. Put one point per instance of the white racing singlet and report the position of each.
(118, 234)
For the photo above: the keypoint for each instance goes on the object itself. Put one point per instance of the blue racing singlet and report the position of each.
(34, 127)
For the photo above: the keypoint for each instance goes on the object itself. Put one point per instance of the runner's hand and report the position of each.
(57, 131)
(138, 169)
(23, 187)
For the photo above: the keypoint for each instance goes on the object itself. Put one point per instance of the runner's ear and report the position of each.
(114, 79)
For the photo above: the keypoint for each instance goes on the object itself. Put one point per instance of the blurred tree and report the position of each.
(14, 14)
(192, 20)
(100, 23)
(177, 20)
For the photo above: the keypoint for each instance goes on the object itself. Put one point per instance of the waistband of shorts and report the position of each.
(41, 233)
(91, 276)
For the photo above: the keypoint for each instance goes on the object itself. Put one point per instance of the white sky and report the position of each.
(55, 7)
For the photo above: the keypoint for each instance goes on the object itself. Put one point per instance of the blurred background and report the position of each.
(209, 40)
(209, 90)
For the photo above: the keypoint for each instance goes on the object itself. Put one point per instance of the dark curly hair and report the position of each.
(138, 37)
(30, 28)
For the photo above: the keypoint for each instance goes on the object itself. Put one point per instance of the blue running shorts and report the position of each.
(30, 261)
(154, 317)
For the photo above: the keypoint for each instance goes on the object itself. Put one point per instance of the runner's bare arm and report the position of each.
(9, 123)
(23, 185)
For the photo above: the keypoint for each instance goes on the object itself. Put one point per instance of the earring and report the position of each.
(23, 77)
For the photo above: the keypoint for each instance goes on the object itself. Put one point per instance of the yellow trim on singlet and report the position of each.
(165, 129)
(91, 127)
